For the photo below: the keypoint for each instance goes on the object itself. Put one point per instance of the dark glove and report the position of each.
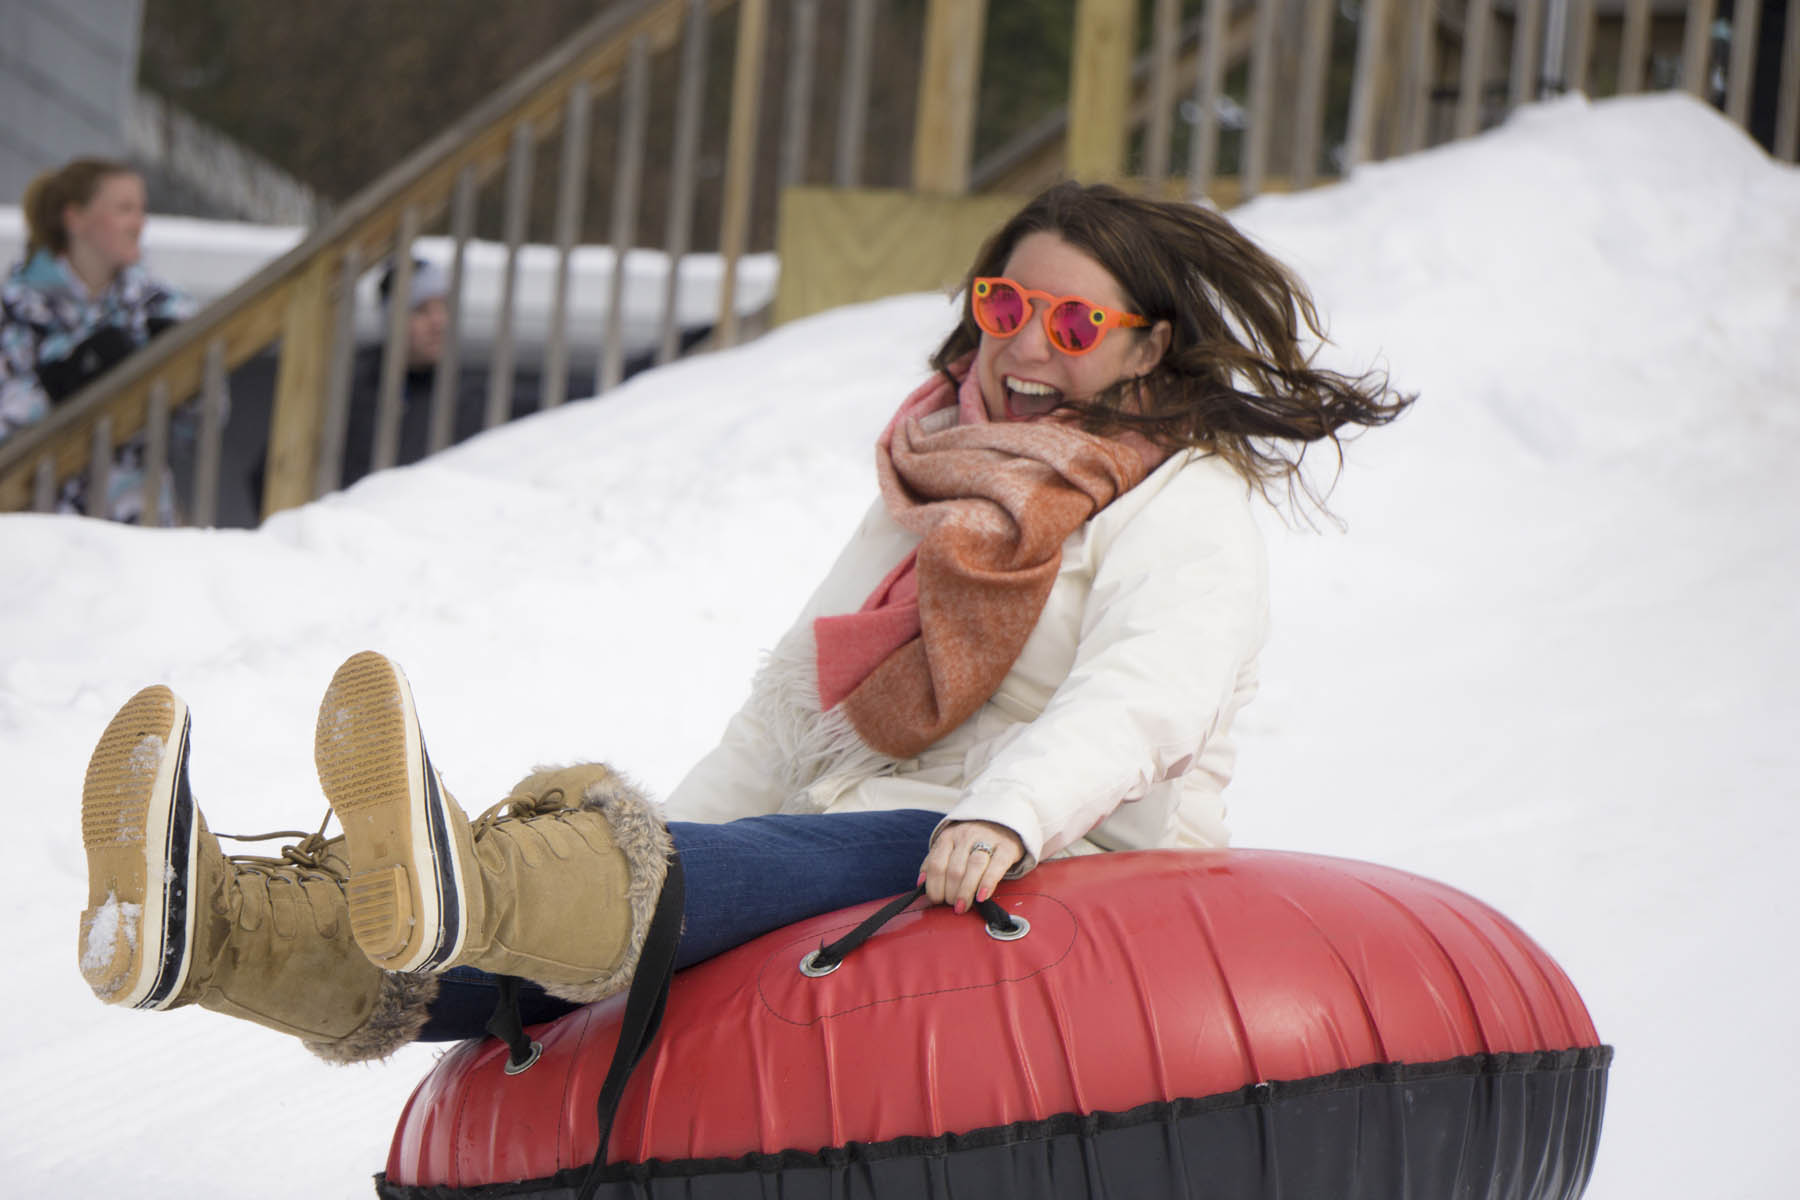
(90, 359)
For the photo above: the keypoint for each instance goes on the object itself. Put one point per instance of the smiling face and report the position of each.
(106, 230)
(1023, 377)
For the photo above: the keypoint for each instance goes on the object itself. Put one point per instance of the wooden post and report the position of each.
(1553, 70)
(445, 383)
(1581, 44)
(628, 170)
(1203, 147)
(1746, 16)
(681, 187)
(100, 471)
(214, 401)
(1261, 108)
(796, 116)
(853, 101)
(1696, 46)
(740, 159)
(1165, 44)
(1359, 142)
(1415, 79)
(1100, 88)
(571, 191)
(1523, 86)
(334, 419)
(1633, 46)
(43, 485)
(1474, 67)
(156, 445)
(299, 381)
(513, 220)
(1787, 104)
(949, 78)
(1309, 106)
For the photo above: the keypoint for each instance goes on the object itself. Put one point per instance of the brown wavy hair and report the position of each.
(1238, 379)
(75, 182)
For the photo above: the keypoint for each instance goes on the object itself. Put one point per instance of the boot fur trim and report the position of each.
(644, 840)
(400, 1012)
(549, 788)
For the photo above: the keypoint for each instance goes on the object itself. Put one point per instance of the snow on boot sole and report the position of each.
(406, 875)
(140, 831)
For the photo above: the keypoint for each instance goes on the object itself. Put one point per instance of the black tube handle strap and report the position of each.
(830, 954)
(649, 993)
(506, 1025)
(644, 1004)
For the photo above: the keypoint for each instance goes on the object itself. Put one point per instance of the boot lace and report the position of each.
(519, 808)
(308, 855)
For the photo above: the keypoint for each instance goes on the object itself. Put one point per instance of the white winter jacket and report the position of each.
(1112, 731)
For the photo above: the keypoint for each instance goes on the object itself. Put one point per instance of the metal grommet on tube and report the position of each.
(809, 966)
(537, 1052)
(1020, 927)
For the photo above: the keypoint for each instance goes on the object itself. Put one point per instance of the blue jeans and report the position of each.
(744, 878)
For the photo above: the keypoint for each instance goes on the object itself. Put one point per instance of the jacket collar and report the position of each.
(52, 275)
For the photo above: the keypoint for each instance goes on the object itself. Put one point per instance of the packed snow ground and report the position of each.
(1552, 660)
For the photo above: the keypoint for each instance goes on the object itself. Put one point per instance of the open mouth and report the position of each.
(1027, 399)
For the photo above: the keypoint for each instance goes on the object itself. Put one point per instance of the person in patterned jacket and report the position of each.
(77, 305)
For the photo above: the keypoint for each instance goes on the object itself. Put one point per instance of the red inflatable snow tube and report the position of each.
(1175, 1023)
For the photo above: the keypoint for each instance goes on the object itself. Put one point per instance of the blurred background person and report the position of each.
(427, 327)
(427, 331)
(76, 306)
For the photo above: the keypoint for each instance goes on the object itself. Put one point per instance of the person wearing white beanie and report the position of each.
(429, 319)
(427, 328)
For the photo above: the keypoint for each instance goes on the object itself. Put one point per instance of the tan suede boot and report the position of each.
(172, 921)
(555, 893)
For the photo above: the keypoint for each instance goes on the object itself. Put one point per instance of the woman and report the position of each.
(1035, 645)
(77, 305)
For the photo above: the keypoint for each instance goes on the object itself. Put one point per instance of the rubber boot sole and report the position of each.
(406, 875)
(140, 830)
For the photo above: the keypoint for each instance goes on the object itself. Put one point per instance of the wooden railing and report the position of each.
(1414, 73)
(304, 301)
(1315, 88)
(1250, 96)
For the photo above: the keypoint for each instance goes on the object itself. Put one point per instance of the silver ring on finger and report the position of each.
(983, 847)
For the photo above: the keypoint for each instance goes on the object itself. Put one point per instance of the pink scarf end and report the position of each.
(852, 645)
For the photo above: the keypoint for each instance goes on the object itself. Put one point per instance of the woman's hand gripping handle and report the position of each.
(967, 861)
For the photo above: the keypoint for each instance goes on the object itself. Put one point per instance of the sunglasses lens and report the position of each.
(999, 308)
(1075, 327)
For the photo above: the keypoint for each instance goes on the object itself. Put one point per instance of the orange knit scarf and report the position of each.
(992, 503)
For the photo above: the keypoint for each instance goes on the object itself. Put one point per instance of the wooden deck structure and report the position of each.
(1245, 95)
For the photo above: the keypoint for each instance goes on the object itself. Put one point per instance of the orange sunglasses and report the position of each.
(1074, 325)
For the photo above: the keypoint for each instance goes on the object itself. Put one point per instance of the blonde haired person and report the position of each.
(77, 305)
